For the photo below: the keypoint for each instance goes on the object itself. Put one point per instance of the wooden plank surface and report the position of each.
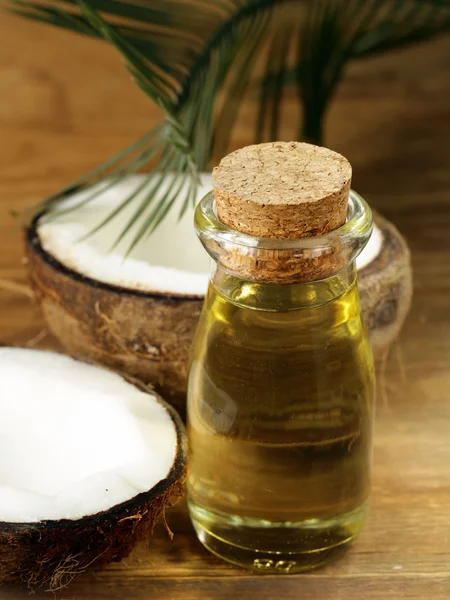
(67, 103)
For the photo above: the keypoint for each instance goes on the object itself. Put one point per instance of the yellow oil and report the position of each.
(279, 419)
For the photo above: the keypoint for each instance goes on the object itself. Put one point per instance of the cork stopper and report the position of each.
(282, 190)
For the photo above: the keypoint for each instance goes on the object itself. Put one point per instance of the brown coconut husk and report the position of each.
(385, 287)
(50, 554)
(149, 336)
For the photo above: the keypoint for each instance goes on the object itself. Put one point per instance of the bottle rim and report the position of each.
(354, 232)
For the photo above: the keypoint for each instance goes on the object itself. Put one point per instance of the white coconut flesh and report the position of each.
(170, 261)
(75, 439)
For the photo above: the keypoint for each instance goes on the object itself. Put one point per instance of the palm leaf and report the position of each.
(196, 58)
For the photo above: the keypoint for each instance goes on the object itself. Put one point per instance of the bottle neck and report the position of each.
(289, 262)
(279, 297)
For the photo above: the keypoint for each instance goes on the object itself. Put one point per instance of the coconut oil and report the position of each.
(281, 380)
(280, 422)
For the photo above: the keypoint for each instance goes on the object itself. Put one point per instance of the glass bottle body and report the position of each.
(279, 421)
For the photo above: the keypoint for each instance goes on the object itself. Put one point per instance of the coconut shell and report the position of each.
(385, 288)
(144, 335)
(149, 336)
(51, 553)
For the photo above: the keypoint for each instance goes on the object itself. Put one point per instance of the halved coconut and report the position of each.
(89, 461)
(385, 284)
(139, 313)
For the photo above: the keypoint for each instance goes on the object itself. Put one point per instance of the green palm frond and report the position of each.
(197, 59)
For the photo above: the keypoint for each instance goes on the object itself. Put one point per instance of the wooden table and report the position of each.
(66, 104)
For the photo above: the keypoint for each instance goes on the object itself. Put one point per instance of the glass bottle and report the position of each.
(280, 398)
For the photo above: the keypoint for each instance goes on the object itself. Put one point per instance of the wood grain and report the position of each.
(67, 103)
